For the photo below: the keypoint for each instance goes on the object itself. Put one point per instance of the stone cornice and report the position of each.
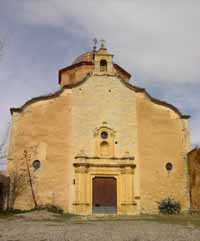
(128, 85)
(103, 158)
(88, 165)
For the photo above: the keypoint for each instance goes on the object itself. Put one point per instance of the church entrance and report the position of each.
(104, 195)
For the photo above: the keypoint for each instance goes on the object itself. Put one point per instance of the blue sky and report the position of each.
(156, 41)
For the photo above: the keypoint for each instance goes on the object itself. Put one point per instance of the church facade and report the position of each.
(99, 144)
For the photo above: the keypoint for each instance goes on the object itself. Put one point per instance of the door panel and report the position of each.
(104, 192)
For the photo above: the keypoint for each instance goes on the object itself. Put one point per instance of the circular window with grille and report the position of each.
(169, 166)
(36, 164)
(104, 135)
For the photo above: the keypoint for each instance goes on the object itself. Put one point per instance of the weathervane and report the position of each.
(95, 41)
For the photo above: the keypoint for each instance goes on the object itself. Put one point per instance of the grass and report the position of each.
(6, 214)
(186, 220)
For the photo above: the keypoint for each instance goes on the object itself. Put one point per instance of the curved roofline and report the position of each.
(128, 85)
(49, 96)
(155, 100)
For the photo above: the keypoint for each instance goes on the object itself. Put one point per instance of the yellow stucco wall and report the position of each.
(104, 101)
(161, 139)
(43, 129)
(58, 129)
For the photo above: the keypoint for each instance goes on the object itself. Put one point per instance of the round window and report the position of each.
(169, 166)
(104, 135)
(36, 164)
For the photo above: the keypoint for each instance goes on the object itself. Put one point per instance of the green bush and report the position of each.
(17, 211)
(169, 206)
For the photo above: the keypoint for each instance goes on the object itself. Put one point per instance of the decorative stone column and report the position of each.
(127, 202)
(81, 204)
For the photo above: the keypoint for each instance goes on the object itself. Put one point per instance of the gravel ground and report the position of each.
(33, 228)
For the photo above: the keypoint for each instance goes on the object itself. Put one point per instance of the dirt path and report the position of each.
(32, 229)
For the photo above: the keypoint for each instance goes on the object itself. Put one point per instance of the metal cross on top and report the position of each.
(95, 41)
(103, 43)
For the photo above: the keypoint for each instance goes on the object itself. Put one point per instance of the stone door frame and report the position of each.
(92, 184)
(116, 177)
(86, 172)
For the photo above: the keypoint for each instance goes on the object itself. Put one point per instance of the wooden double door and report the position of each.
(104, 195)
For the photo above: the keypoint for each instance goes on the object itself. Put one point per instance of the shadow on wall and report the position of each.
(4, 191)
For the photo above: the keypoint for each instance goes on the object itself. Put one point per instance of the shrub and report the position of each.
(49, 207)
(169, 206)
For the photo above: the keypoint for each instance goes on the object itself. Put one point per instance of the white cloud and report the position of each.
(157, 40)
(160, 38)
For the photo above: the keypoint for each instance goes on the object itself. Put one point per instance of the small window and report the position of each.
(36, 164)
(103, 65)
(169, 166)
(104, 135)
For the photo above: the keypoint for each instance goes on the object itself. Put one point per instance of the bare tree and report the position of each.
(18, 181)
(30, 179)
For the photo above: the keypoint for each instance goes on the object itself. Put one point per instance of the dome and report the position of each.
(86, 57)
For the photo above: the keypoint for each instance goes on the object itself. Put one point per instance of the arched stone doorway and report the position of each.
(104, 195)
